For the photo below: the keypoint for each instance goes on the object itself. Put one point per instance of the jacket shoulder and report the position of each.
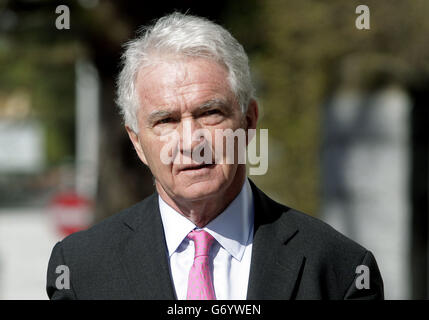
(313, 233)
(332, 260)
(317, 235)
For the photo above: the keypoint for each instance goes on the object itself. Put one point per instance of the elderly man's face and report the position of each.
(192, 93)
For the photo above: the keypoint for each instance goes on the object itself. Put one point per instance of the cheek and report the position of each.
(151, 148)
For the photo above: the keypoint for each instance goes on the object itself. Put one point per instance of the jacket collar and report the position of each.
(144, 255)
(276, 265)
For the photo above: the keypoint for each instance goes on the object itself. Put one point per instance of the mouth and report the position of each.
(196, 167)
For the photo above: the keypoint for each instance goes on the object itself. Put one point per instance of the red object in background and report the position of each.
(71, 212)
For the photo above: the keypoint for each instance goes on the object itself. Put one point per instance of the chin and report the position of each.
(201, 190)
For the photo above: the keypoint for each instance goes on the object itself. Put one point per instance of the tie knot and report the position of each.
(202, 240)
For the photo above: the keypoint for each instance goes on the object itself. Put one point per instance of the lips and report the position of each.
(191, 167)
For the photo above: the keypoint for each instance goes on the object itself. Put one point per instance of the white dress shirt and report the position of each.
(230, 254)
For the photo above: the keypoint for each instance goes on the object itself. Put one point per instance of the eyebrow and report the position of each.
(158, 115)
(205, 106)
(213, 102)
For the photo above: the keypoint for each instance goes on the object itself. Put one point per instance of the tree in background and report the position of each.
(300, 52)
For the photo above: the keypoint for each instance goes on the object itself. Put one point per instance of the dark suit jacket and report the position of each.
(294, 256)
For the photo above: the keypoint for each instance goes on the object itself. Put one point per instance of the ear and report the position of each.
(136, 143)
(252, 114)
(251, 120)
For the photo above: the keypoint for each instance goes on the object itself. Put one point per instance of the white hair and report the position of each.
(182, 35)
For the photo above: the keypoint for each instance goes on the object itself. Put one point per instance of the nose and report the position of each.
(189, 136)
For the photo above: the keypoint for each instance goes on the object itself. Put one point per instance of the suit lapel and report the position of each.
(145, 254)
(276, 264)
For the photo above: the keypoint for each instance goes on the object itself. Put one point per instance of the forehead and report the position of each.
(181, 83)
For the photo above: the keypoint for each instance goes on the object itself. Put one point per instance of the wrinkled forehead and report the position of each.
(170, 82)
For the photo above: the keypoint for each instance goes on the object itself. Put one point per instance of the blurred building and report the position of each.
(365, 161)
(62, 141)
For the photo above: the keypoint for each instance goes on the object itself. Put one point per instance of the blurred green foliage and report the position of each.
(34, 62)
(300, 52)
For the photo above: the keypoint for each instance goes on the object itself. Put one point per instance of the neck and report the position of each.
(202, 211)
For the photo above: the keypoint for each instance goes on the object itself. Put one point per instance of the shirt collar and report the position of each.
(232, 228)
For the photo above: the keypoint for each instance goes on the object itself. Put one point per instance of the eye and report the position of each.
(211, 112)
(165, 120)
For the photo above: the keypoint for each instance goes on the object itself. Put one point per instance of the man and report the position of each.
(208, 232)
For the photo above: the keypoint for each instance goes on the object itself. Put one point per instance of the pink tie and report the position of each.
(200, 284)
